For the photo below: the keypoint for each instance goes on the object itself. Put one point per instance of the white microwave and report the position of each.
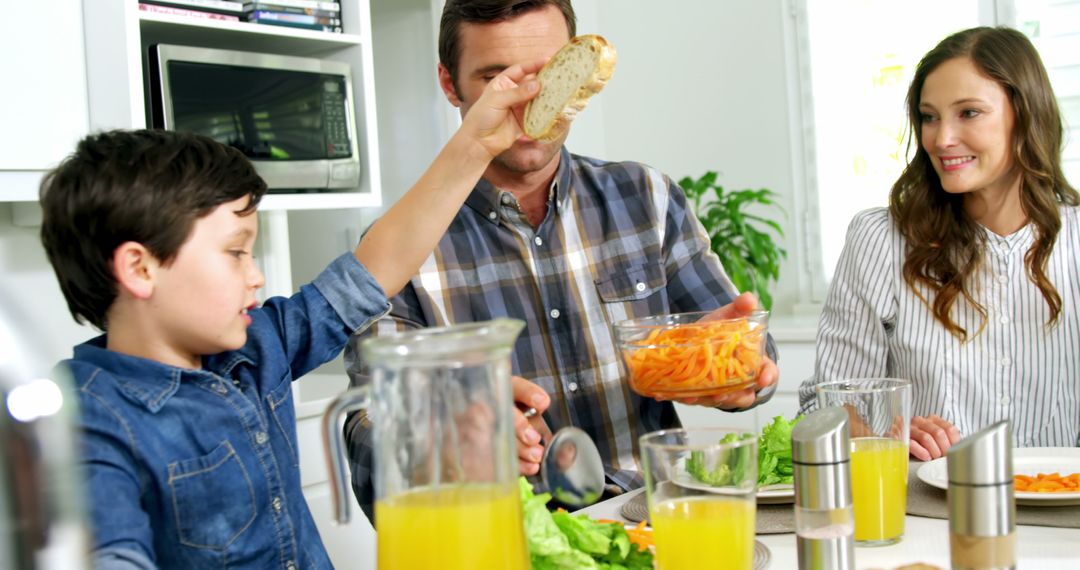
(292, 116)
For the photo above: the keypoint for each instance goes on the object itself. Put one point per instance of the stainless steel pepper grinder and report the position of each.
(982, 507)
(824, 522)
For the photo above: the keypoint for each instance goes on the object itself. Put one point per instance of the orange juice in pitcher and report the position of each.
(444, 464)
(461, 527)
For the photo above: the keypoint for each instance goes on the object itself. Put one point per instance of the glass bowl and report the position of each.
(688, 355)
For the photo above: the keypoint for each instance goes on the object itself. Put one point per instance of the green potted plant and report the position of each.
(742, 240)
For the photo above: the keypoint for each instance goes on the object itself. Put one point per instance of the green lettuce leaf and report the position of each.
(774, 452)
(727, 469)
(561, 541)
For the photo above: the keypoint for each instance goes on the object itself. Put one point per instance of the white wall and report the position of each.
(700, 85)
(27, 280)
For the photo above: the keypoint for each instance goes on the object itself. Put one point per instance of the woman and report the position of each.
(968, 283)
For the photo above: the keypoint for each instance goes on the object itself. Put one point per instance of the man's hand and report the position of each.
(767, 374)
(495, 120)
(931, 437)
(530, 430)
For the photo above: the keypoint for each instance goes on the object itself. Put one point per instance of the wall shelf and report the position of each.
(226, 34)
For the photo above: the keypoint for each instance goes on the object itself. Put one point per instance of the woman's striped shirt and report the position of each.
(874, 325)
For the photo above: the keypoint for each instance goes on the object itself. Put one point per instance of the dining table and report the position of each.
(925, 540)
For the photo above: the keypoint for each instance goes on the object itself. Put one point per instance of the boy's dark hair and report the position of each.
(146, 186)
(457, 12)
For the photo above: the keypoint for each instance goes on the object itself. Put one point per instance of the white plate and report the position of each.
(776, 494)
(1026, 461)
(767, 495)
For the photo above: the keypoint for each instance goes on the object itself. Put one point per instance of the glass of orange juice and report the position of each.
(701, 485)
(880, 417)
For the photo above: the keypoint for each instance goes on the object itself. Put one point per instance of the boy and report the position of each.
(186, 413)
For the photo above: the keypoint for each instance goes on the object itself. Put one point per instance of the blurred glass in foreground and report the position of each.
(41, 514)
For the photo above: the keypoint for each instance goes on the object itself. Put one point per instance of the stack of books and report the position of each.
(319, 15)
(210, 9)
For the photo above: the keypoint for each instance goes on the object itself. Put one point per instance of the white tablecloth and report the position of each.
(925, 540)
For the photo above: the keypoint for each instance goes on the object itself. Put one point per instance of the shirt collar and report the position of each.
(1005, 245)
(149, 382)
(485, 198)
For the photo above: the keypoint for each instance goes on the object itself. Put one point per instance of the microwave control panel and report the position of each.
(336, 118)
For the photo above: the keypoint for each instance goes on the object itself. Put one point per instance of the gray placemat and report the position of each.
(771, 519)
(927, 501)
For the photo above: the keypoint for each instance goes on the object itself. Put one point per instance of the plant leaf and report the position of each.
(740, 238)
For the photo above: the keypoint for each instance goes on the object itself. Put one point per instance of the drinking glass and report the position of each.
(701, 485)
(879, 410)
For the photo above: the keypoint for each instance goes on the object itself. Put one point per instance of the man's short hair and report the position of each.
(146, 186)
(456, 12)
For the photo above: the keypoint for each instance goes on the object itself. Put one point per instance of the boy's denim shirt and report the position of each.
(199, 468)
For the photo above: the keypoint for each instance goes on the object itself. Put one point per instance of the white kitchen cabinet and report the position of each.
(44, 100)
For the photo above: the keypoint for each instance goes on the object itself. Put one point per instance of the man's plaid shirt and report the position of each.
(617, 242)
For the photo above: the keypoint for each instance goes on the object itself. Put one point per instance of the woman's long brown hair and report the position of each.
(944, 245)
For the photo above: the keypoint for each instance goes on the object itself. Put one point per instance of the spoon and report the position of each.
(571, 468)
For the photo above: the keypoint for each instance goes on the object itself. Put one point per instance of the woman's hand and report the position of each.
(931, 437)
(494, 121)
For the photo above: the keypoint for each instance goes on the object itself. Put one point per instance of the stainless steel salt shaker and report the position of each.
(824, 522)
(982, 507)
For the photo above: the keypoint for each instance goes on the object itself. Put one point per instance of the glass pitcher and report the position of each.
(445, 459)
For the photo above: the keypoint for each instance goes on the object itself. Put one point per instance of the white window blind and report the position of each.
(1054, 28)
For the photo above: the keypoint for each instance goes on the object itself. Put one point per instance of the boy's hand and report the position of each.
(494, 121)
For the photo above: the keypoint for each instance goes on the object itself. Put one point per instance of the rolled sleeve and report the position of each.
(352, 292)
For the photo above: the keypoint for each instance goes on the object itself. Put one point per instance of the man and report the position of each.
(569, 245)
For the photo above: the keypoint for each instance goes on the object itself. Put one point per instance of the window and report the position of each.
(859, 56)
(1054, 28)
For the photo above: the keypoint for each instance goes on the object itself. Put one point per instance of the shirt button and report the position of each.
(1002, 279)
(1005, 400)
(1004, 319)
(290, 565)
(1006, 361)
(554, 313)
(572, 386)
(492, 215)
(261, 437)
(276, 503)
(640, 286)
(506, 199)
(539, 240)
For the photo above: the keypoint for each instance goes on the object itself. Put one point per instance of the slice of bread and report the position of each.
(579, 70)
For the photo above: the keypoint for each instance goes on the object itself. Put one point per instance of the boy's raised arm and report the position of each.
(396, 245)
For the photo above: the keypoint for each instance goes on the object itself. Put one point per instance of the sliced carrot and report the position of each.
(695, 359)
(640, 536)
(1047, 483)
